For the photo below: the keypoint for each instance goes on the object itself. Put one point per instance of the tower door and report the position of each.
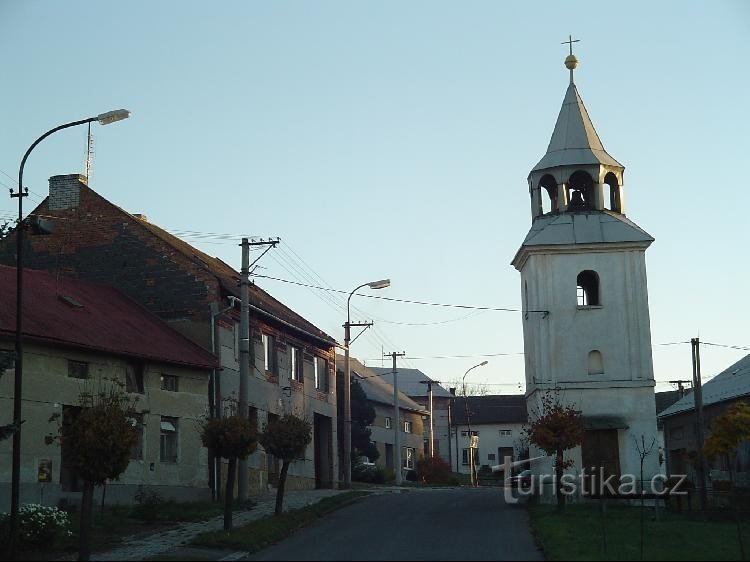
(600, 454)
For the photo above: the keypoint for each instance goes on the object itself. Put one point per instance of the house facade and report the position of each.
(78, 337)
(292, 361)
(498, 421)
(413, 418)
(416, 385)
(679, 420)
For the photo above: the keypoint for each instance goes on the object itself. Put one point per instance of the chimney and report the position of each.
(65, 191)
(453, 391)
(140, 217)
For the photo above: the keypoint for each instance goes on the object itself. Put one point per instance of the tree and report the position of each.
(232, 437)
(728, 430)
(285, 438)
(643, 451)
(557, 429)
(363, 414)
(98, 438)
(5, 228)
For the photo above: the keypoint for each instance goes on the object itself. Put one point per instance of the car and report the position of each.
(522, 480)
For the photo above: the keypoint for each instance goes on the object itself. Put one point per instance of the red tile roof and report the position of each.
(63, 311)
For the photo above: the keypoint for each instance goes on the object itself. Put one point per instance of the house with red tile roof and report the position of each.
(292, 361)
(78, 337)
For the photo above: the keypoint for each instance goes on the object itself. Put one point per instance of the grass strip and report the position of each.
(262, 532)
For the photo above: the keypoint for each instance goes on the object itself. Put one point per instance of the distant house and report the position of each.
(413, 383)
(663, 401)
(413, 417)
(76, 336)
(728, 387)
(293, 367)
(498, 420)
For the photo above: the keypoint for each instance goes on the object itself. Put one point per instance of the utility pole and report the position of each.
(680, 386)
(247, 355)
(698, 397)
(429, 384)
(347, 460)
(396, 417)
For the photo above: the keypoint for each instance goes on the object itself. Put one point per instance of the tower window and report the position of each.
(596, 365)
(548, 194)
(612, 194)
(580, 192)
(587, 288)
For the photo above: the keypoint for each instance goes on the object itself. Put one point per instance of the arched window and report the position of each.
(581, 192)
(587, 288)
(612, 199)
(548, 194)
(596, 365)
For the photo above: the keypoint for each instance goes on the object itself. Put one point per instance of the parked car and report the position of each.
(522, 480)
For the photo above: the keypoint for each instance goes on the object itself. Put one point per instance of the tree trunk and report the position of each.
(84, 531)
(736, 509)
(104, 495)
(558, 481)
(229, 495)
(642, 503)
(280, 489)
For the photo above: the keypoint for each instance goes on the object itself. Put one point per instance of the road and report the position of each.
(421, 524)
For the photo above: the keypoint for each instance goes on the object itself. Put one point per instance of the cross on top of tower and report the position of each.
(571, 62)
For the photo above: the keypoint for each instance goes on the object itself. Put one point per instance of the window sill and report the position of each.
(589, 307)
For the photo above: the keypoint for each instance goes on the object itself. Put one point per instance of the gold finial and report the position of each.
(571, 62)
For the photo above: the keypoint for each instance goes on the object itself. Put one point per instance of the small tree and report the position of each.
(285, 438)
(727, 432)
(99, 438)
(232, 438)
(363, 415)
(557, 429)
(643, 451)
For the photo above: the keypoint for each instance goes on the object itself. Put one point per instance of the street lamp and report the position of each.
(468, 422)
(103, 119)
(347, 460)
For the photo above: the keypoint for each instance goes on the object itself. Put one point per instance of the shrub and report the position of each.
(434, 470)
(39, 525)
(148, 502)
(411, 475)
(370, 474)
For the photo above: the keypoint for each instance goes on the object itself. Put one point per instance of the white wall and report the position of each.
(489, 441)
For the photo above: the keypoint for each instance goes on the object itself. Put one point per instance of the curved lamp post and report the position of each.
(468, 421)
(347, 460)
(103, 119)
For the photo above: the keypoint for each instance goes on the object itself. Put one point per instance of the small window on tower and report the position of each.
(596, 365)
(587, 288)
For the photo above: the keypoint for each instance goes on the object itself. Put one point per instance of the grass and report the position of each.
(577, 534)
(263, 532)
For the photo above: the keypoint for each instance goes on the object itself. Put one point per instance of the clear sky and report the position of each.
(393, 139)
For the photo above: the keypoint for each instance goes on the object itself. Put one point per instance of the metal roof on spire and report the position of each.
(574, 141)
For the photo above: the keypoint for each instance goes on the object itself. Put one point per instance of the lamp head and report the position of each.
(382, 284)
(112, 116)
(483, 363)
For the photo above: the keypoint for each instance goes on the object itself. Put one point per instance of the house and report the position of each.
(728, 387)
(415, 384)
(497, 420)
(77, 335)
(663, 401)
(380, 394)
(293, 360)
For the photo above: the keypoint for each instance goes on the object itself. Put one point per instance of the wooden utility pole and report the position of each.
(698, 397)
(396, 418)
(429, 384)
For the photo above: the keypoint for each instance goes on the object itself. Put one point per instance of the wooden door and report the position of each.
(600, 454)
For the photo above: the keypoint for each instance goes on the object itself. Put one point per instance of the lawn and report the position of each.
(577, 534)
(263, 532)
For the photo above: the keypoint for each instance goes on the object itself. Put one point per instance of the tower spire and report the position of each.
(571, 62)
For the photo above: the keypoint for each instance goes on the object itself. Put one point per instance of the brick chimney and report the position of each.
(65, 191)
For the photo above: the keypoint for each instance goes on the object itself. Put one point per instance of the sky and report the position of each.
(393, 140)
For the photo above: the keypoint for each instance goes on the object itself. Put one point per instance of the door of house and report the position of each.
(389, 455)
(323, 451)
(600, 454)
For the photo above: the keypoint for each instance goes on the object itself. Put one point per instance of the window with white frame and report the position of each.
(295, 364)
(136, 451)
(466, 433)
(270, 362)
(506, 433)
(169, 382)
(407, 427)
(168, 439)
(388, 423)
(407, 454)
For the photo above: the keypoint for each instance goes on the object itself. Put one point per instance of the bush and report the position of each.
(39, 525)
(434, 470)
(411, 475)
(148, 502)
(369, 474)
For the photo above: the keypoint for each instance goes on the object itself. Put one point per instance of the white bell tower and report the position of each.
(586, 322)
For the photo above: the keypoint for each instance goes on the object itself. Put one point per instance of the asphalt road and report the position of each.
(447, 524)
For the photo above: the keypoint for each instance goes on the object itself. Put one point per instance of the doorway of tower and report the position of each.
(600, 453)
(323, 450)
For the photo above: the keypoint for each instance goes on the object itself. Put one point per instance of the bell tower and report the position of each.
(586, 321)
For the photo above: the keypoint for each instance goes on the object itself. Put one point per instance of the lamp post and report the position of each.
(468, 422)
(347, 460)
(103, 119)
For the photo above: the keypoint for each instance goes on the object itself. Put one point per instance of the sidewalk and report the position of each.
(142, 548)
